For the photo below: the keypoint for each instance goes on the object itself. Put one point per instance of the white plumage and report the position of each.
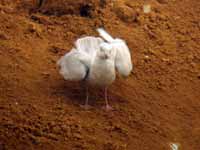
(76, 64)
(123, 58)
(94, 61)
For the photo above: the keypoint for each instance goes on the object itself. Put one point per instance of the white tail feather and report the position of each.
(105, 35)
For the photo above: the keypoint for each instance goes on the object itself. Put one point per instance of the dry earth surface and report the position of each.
(157, 104)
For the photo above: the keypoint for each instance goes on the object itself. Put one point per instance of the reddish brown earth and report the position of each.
(158, 104)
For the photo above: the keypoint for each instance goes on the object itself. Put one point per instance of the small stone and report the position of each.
(165, 59)
(146, 57)
(147, 9)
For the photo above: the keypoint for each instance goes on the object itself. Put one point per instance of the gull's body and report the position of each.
(102, 71)
(94, 61)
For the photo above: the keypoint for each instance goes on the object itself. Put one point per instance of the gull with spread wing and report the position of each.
(94, 60)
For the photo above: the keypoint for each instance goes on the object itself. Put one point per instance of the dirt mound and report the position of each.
(157, 105)
(62, 7)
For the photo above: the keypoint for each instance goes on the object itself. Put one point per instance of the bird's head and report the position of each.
(106, 51)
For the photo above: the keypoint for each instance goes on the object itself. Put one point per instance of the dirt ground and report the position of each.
(158, 104)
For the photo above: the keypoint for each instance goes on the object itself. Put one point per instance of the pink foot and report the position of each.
(86, 107)
(108, 108)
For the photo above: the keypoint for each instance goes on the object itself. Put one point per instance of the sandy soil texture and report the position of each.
(157, 105)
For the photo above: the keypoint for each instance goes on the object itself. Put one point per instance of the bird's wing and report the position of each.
(88, 45)
(105, 35)
(74, 65)
(123, 62)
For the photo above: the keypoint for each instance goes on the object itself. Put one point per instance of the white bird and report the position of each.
(94, 61)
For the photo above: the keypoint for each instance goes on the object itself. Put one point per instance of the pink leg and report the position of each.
(86, 106)
(108, 107)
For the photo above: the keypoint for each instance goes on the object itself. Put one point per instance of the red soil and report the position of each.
(159, 103)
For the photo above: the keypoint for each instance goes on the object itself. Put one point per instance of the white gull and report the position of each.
(94, 61)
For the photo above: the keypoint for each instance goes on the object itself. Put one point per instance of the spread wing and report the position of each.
(105, 35)
(89, 45)
(123, 62)
(123, 58)
(75, 65)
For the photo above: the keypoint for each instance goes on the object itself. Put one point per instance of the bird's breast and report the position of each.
(102, 73)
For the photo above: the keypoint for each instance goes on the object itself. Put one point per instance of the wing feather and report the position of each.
(73, 65)
(89, 45)
(76, 64)
(123, 59)
(105, 35)
(123, 62)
